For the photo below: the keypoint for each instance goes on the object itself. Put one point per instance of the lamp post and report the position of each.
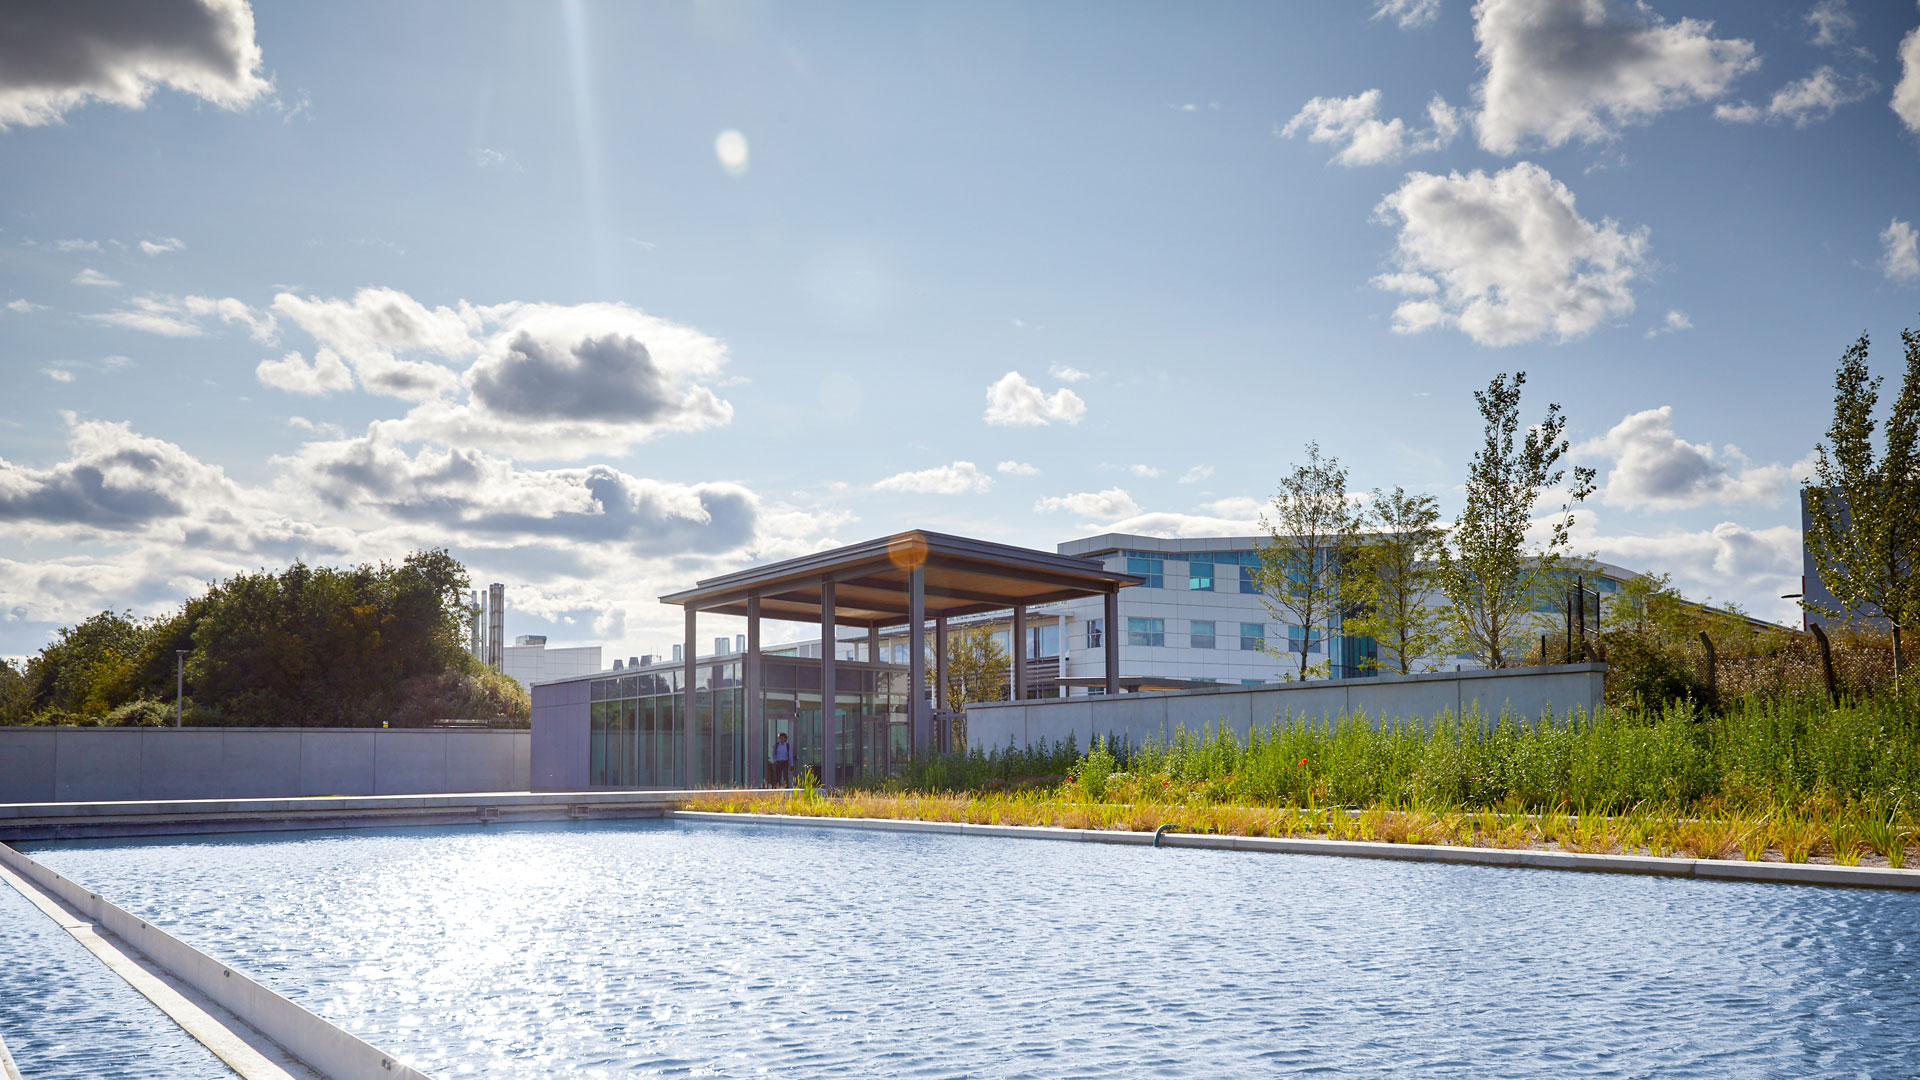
(179, 684)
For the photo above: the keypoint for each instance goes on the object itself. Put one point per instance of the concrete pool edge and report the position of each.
(314, 1042)
(1856, 877)
(26, 822)
(8, 1070)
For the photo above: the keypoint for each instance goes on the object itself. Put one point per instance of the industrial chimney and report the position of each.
(496, 622)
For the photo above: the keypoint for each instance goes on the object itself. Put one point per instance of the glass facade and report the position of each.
(1200, 633)
(1199, 575)
(1148, 567)
(637, 730)
(1253, 636)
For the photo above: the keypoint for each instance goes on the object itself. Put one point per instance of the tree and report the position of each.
(1863, 517)
(1312, 525)
(1491, 579)
(1390, 576)
(977, 666)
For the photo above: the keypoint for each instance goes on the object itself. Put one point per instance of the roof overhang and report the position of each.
(962, 576)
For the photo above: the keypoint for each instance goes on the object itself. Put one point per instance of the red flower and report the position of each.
(1303, 761)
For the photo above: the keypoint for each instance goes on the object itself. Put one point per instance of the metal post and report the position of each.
(919, 717)
(829, 718)
(940, 696)
(689, 703)
(1112, 640)
(1020, 653)
(756, 698)
(179, 685)
(873, 643)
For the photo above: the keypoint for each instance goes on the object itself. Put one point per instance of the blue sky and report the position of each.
(609, 297)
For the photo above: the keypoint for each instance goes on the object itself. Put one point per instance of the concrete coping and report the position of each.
(1316, 684)
(340, 803)
(1857, 877)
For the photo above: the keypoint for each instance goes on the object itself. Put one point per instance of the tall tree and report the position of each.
(1863, 516)
(1310, 526)
(1391, 577)
(1489, 575)
(977, 666)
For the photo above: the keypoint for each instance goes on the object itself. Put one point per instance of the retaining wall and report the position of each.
(48, 764)
(1523, 692)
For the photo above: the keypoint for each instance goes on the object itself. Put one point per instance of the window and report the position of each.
(1149, 569)
(1248, 584)
(1043, 640)
(1200, 633)
(1299, 640)
(1094, 626)
(1253, 636)
(1146, 631)
(1199, 575)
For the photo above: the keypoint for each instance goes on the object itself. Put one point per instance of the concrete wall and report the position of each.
(40, 764)
(1524, 692)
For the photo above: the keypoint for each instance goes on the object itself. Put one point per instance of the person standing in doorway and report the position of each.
(782, 761)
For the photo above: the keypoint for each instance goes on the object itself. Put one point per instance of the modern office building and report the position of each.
(528, 660)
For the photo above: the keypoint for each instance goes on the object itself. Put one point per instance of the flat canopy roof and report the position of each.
(963, 577)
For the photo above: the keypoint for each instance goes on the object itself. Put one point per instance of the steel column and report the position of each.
(919, 717)
(756, 738)
(1112, 639)
(940, 664)
(689, 703)
(1020, 653)
(829, 718)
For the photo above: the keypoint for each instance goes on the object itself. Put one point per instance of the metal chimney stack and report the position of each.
(496, 622)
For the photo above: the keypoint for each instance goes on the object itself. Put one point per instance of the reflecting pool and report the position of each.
(613, 949)
(65, 1016)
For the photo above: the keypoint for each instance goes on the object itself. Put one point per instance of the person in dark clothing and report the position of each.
(782, 761)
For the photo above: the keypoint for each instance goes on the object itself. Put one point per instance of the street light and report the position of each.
(179, 683)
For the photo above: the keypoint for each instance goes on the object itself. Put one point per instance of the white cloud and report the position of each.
(1354, 125)
(162, 245)
(58, 375)
(53, 57)
(1901, 258)
(959, 478)
(1017, 468)
(1067, 374)
(25, 306)
(1506, 258)
(1146, 471)
(182, 317)
(1108, 504)
(1408, 13)
(1014, 402)
(1906, 93)
(90, 276)
(1831, 22)
(1675, 322)
(301, 423)
(76, 245)
(1804, 101)
(293, 374)
(1558, 70)
(376, 325)
(1197, 474)
(1654, 468)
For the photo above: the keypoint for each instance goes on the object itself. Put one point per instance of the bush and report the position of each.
(1641, 673)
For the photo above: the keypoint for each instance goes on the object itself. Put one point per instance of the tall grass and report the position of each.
(1757, 753)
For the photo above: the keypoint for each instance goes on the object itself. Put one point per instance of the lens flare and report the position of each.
(731, 148)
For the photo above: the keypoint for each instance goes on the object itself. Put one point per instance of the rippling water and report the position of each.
(604, 949)
(65, 1016)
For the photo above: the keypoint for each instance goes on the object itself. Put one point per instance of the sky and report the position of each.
(607, 298)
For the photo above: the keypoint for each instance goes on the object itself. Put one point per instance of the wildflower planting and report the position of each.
(1780, 778)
